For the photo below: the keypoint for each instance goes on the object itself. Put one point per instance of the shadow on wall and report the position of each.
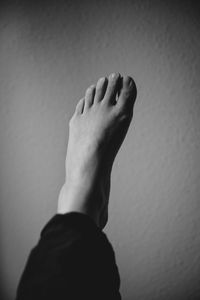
(3, 295)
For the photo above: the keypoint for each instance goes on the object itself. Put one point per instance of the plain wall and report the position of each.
(49, 54)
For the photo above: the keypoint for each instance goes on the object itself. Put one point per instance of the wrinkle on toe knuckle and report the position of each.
(124, 117)
(124, 114)
(127, 93)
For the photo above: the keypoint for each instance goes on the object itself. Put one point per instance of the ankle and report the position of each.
(76, 199)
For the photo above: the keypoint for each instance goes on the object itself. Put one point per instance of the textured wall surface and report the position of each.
(49, 54)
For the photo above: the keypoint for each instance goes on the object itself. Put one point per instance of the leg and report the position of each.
(73, 258)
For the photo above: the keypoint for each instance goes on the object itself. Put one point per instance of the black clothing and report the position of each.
(72, 260)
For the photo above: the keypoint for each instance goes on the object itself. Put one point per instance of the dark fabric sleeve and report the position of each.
(72, 260)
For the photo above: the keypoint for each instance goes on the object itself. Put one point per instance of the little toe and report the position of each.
(112, 88)
(89, 97)
(127, 95)
(80, 106)
(100, 89)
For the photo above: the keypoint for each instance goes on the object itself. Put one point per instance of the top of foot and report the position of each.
(106, 109)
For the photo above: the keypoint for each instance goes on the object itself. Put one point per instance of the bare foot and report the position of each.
(96, 132)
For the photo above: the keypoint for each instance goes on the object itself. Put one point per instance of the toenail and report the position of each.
(90, 88)
(130, 81)
(101, 80)
(114, 75)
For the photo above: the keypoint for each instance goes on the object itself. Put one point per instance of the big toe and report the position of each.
(127, 95)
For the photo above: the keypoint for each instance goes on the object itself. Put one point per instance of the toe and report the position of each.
(89, 97)
(80, 106)
(127, 95)
(100, 89)
(112, 88)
